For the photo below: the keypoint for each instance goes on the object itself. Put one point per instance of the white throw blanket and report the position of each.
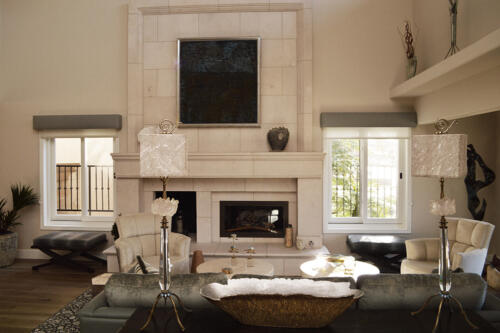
(284, 287)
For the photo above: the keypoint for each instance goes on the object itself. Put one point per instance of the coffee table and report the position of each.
(212, 319)
(239, 266)
(322, 268)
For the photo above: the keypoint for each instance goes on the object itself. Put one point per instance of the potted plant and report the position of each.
(22, 196)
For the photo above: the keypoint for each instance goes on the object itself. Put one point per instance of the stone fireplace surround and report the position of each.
(228, 163)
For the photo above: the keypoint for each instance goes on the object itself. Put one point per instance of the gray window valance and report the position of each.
(64, 122)
(369, 119)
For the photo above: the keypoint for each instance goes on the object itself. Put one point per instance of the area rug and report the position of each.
(65, 320)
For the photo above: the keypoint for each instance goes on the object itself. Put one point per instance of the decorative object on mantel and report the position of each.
(251, 251)
(443, 156)
(233, 249)
(289, 236)
(278, 138)
(22, 196)
(473, 186)
(179, 223)
(297, 303)
(163, 154)
(453, 27)
(299, 243)
(408, 39)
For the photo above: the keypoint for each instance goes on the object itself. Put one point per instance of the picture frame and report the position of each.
(218, 82)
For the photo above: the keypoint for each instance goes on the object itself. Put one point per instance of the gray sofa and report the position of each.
(123, 293)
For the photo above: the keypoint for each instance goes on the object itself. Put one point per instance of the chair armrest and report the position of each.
(126, 253)
(422, 249)
(471, 261)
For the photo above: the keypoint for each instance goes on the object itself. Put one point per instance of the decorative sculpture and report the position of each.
(473, 186)
(453, 25)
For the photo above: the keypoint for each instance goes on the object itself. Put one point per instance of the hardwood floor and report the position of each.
(28, 297)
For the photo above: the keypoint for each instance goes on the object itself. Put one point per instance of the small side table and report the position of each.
(322, 268)
(260, 267)
(99, 282)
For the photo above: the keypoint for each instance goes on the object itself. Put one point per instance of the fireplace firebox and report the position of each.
(266, 219)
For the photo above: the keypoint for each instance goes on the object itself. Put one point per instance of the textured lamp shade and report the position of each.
(162, 155)
(443, 155)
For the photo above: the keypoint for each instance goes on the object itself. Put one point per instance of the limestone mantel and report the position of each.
(236, 165)
(294, 176)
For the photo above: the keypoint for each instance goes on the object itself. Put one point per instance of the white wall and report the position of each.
(476, 18)
(58, 57)
(358, 57)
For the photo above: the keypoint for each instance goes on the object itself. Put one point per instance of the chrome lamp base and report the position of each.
(167, 296)
(445, 300)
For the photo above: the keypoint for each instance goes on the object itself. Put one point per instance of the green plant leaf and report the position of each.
(22, 196)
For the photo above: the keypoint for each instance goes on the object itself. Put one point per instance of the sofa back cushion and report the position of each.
(140, 290)
(410, 291)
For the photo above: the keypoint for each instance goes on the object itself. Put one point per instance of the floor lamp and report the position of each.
(441, 156)
(163, 154)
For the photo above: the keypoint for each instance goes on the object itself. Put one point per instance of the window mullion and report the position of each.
(364, 179)
(52, 177)
(84, 180)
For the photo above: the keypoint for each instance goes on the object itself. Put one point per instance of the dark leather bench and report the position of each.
(385, 251)
(78, 243)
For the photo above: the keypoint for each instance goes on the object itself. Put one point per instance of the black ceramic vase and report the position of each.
(278, 138)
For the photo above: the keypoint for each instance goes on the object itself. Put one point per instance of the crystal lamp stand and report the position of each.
(164, 279)
(444, 275)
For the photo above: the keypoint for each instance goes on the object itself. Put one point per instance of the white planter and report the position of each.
(8, 249)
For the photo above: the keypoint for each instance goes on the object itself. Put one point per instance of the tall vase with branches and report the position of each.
(407, 37)
(22, 196)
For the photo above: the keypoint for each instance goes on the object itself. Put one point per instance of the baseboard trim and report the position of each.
(30, 254)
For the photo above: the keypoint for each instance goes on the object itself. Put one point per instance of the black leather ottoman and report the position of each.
(78, 243)
(385, 251)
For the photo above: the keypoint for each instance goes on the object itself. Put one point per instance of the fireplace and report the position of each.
(266, 219)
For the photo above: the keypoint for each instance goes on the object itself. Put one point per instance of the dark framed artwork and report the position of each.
(218, 82)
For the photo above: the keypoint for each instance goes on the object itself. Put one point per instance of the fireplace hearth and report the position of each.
(266, 219)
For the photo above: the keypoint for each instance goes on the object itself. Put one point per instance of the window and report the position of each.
(366, 180)
(77, 182)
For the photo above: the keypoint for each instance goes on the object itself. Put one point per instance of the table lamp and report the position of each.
(442, 156)
(163, 154)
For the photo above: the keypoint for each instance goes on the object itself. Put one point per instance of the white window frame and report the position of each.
(48, 199)
(364, 224)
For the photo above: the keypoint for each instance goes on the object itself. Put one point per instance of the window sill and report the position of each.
(78, 225)
(374, 228)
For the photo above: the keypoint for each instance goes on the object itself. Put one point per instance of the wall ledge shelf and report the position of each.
(474, 59)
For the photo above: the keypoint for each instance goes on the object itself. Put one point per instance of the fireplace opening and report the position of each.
(253, 218)
(184, 221)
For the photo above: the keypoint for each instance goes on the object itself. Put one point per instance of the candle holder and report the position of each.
(233, 249)
(250, 261)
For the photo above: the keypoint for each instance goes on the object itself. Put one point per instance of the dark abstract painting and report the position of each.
(218, 81)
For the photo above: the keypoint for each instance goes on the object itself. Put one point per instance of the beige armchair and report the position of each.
(140, 235)
(469, 241)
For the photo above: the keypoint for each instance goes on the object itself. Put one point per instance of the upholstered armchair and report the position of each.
(469, 241)
(140, 235)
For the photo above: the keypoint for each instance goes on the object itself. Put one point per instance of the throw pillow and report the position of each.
(143, 267)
